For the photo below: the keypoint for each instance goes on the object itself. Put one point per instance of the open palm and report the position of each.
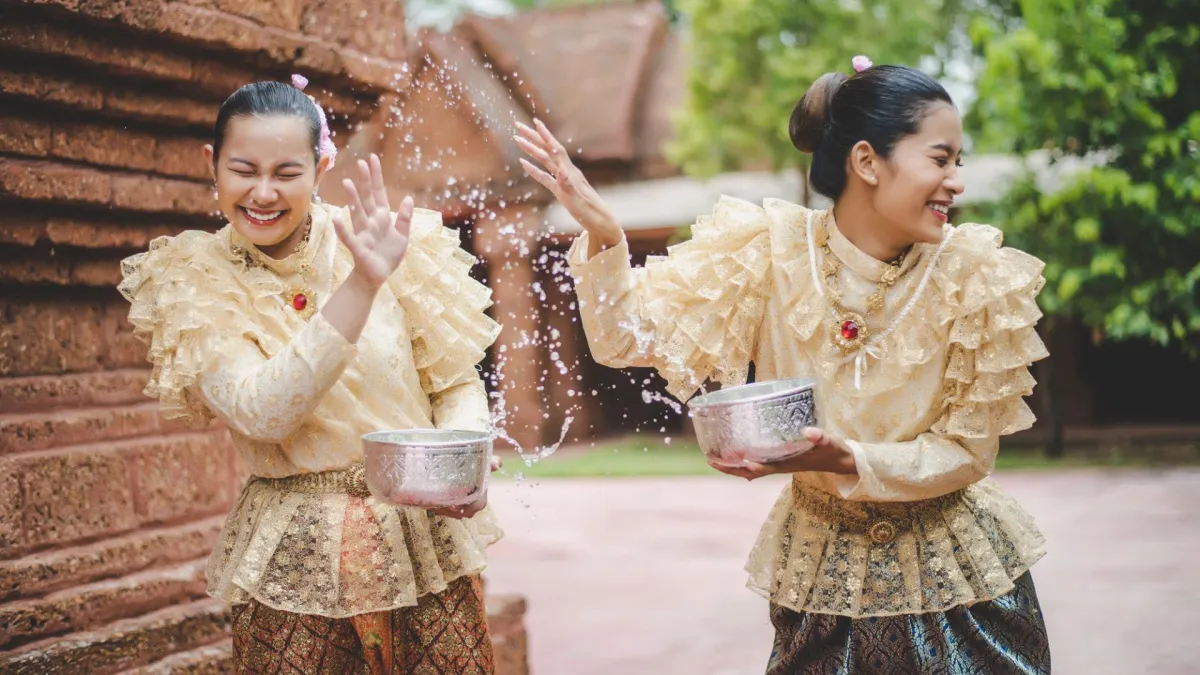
(377, 238)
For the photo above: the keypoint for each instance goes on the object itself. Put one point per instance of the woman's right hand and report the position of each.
(561, 177)
(377, 238)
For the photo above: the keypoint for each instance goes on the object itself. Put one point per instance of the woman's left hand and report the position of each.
(829, 453)
(468, 510)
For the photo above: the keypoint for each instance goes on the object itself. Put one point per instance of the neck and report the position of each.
(290, 244)
(858, 221)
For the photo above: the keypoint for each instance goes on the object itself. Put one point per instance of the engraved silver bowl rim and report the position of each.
(431, 441)
(748, 394)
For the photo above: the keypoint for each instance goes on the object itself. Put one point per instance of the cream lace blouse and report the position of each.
(920, 528)
(226, 342)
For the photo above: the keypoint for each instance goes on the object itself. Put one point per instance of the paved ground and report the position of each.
(643, 576)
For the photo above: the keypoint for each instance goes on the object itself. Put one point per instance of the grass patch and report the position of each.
(649, 456)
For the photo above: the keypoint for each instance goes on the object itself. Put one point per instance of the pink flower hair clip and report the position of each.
(325, 146)
(861, 63)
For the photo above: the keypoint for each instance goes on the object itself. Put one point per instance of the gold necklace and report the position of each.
(302, 298)
(850, 330)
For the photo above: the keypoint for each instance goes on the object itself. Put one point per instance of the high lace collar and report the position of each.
(861, 262)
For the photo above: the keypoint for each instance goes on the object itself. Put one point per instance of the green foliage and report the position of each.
(1106, 79)
(751, 60)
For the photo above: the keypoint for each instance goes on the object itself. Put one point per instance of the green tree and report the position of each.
(751, 60)
(1106, 80)
(1103, 82)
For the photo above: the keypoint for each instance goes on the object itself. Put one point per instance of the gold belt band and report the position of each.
(881, 521)
(351, 481)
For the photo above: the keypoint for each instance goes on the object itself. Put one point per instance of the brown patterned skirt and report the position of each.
(445, 634)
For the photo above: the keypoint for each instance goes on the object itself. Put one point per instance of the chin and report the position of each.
(262, 236)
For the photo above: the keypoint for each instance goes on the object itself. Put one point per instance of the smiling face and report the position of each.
(919, 181)
(266, 173)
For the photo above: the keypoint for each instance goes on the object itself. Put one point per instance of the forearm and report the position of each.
(350, 306)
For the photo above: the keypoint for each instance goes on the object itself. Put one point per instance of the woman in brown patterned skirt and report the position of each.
(300, 327)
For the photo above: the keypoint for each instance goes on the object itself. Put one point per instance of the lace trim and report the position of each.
(337, 555)
(451, 332)
(818, 553)
(708, 298)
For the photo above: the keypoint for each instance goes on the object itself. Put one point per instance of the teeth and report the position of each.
(940, 208)
(260, 215)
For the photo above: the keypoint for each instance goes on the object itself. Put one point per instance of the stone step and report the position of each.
(91, 605)
(125, 644)
(49, 571)
(214, 659)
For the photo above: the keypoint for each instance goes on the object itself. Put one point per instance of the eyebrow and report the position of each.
(285, 165)
(949, 149)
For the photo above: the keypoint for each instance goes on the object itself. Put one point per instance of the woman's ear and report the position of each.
(208, 161)
(864, 163)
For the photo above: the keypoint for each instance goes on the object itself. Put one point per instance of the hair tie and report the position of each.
(325, 146)
(861, 63)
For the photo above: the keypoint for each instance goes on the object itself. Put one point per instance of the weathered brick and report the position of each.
(73, 495)
(33, 36)
(104, 145)
(24, 137)
(92, 605)
(12, 529)
(174, 108)
(47, 181)
(28, 432)
(49, 571)
(142, 193)
(371, 26)
(22, 229)
(214, 659)
(43, 393)
(506, 623)
(283, 14)
(182, 156)
(123, 349)
(125, 644)
(38, 338)
(35, 270)
(52, 89)
(102, 234)
(186, 475)
(97, 273)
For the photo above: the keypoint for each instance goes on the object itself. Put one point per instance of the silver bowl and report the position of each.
(762, 422)
(429, 468)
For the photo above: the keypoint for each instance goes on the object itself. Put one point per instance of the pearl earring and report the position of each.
(216, 197)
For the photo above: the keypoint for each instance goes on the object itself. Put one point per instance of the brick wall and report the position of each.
(107, 513)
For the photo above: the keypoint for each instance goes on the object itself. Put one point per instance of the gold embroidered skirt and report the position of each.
(320, 544)
(822, 554)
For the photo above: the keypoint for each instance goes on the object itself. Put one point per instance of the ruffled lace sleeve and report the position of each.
(170, 315)
(447, 314)
(988, 300)
(693, 314)
(206, 350)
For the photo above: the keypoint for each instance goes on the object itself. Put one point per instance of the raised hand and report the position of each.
(555, 171)
(375, 237)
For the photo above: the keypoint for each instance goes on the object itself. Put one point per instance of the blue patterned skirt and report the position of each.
(1005, 636)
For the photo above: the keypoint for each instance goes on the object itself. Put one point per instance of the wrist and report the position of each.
(361, 281)
(607, 233)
